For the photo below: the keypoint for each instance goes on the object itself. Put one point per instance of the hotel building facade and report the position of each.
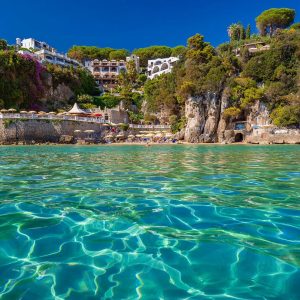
(106, 72)
(45, 53)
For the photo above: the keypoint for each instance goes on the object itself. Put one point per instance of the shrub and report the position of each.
(232, 112)
(285, 116)
(124, 127)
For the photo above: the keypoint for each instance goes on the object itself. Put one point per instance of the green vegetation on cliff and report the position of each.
(24, 81)
(270, 76)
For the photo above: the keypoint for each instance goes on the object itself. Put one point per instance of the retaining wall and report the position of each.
(26, 131)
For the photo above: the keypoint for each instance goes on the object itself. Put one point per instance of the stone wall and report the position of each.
(42, 131)
(274, 136)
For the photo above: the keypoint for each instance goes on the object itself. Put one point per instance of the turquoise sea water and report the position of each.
(161, 222)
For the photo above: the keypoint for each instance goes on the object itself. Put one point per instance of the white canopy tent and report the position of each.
(76, 110)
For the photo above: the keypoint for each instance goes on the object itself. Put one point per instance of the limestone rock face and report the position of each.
(203, 116)
(223, 123)
(258, 114)
(58, 95)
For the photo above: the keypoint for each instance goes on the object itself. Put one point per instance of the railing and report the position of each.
(96, 120)
(53, 117)
(149, 126)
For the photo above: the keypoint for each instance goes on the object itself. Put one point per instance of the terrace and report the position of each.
(63, 117)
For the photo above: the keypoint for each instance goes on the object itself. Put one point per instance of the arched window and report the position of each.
(155, 70)
(164, 66)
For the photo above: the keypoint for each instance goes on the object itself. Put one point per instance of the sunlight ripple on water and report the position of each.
(161, 222)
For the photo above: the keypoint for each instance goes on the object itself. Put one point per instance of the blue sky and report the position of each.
(128, 23)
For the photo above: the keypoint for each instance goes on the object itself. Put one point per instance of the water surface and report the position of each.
(161, 222)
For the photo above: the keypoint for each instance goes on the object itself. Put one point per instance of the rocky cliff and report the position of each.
(206, 123)
(204, 118)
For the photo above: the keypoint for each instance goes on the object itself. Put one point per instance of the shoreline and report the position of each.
(148, 145)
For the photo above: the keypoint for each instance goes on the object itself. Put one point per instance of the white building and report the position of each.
(160, 66)
(45, 53)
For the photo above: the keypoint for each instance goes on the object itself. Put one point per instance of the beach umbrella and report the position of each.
(120, 136)
(41, 113)
(4, 110)
(52, 113)
(12, 110)
(89, 131)
(32, 112)
(131, 136)
(109, 136)
(77, 131)
(23, 112)
(149, 135)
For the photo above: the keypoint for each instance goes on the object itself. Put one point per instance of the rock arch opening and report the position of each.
(238, 138)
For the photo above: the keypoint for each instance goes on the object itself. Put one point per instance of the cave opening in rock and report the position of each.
(239, 137)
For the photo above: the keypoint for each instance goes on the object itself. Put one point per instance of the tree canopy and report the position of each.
(275, 18)
(119, 54)
(154, 52)
(81, 53)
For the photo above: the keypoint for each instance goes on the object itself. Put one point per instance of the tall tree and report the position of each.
(236, 32)
(242, 32)
(274, 18)
(248, 32)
